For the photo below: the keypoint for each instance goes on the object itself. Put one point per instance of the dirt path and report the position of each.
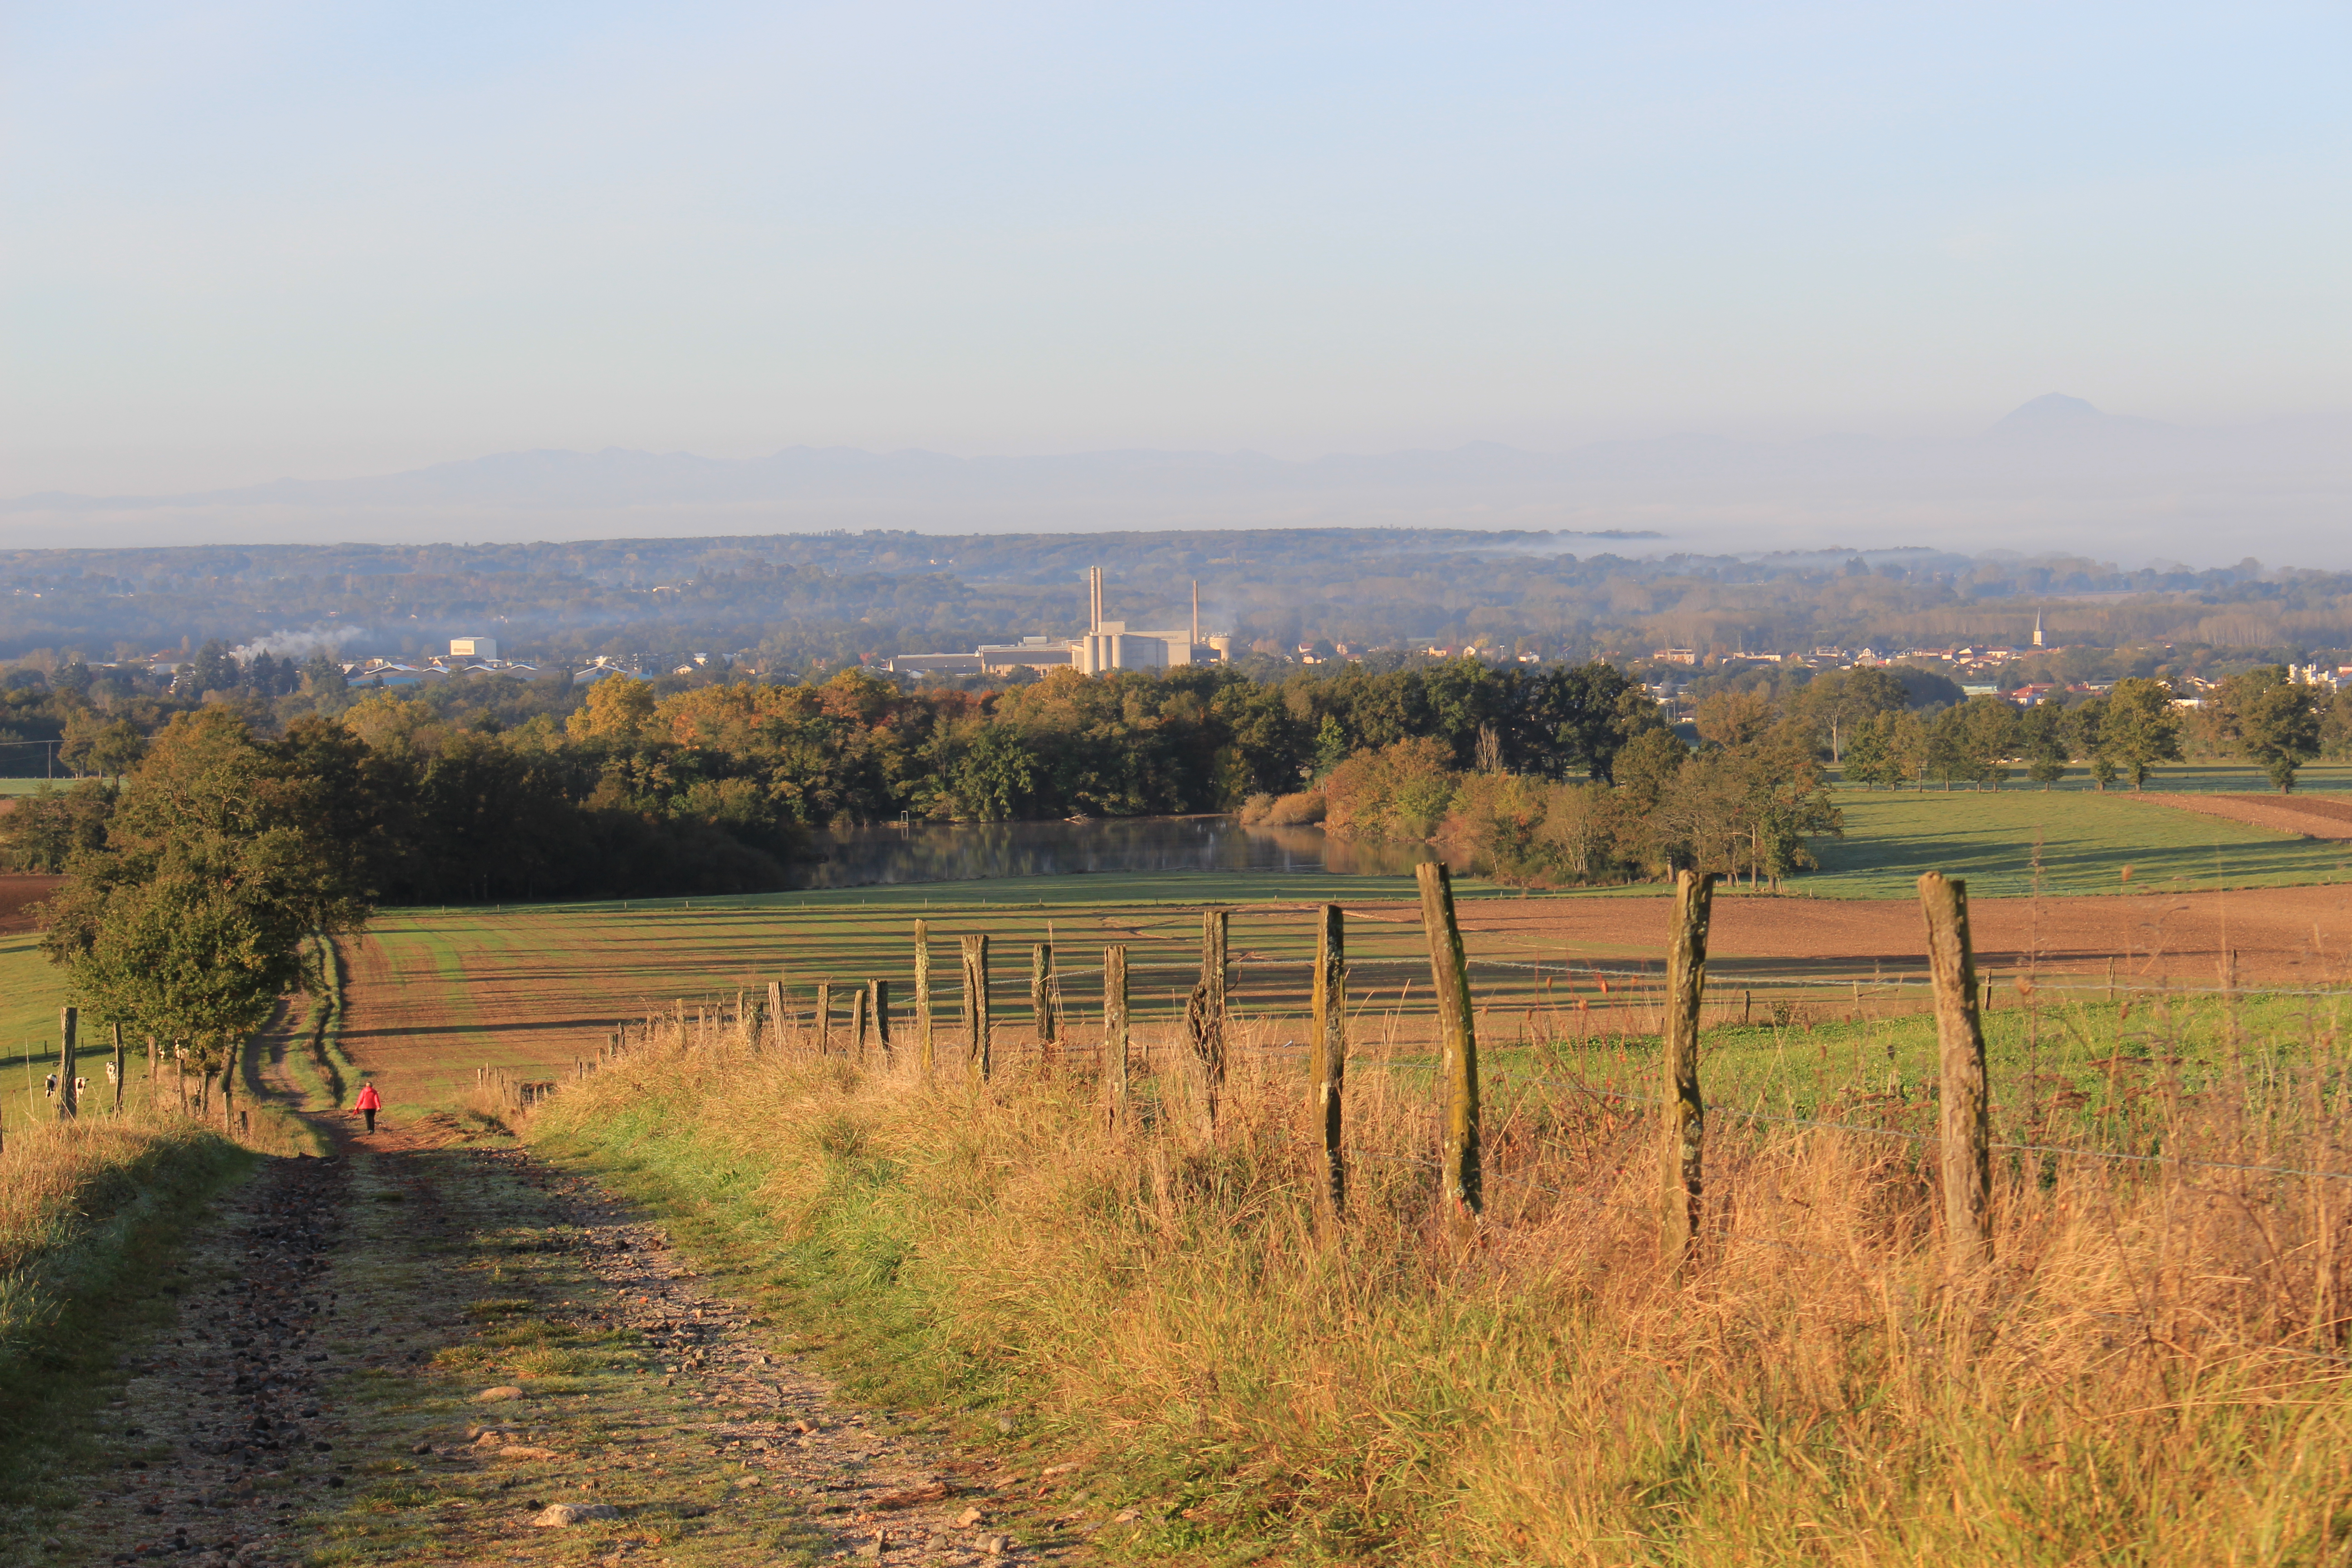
(432, 1346)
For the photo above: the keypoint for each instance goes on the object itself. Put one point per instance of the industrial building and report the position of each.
(1106, 645)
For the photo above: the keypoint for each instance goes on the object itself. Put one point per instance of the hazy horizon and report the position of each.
(260, 241)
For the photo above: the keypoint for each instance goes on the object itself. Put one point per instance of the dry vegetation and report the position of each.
(2151, 1372)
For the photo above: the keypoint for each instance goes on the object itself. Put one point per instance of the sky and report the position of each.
(241, 241)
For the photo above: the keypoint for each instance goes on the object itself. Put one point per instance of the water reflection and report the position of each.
(944, 852)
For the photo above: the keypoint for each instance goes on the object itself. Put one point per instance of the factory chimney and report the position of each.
(1196, 612)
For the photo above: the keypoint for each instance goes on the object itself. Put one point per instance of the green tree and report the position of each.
(324, 677)
(2086, 732)
(2142, 727)
(1330, 745)
(2041, 735)
(1869, 760)
(1988, 738)
(1910, 748)
(215, 671)
(2272, 718)
(217, 863)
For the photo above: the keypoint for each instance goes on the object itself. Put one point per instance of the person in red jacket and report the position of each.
(368, 1103)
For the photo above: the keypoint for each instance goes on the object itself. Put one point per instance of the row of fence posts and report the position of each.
(1964, 1133)
(65, 1085)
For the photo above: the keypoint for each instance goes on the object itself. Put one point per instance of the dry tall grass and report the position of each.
(2151, 1372)
(79, 1205)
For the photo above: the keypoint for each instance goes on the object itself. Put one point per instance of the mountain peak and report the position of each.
(2051, 409)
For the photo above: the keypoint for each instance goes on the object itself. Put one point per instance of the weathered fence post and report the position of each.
(1966, 1118)
(975, 1004)
(1458, 1169)
(229, 1084)
(68, 1103)
(1204, 1016)
(119, 1072)
(1115, 1033)
(1330, 1061)
(923, 1050)
(880, 1011)
(776, 1014)
(1041, 995)
(1686, 1128)
(822, 1036)
(857, 1023)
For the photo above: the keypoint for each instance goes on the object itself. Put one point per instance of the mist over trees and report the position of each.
(806, 603)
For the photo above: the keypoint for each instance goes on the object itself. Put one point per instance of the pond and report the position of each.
(950, 852)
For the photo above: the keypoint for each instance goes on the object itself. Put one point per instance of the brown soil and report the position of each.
(2279, 933)
(18, 893)
(2281, 813)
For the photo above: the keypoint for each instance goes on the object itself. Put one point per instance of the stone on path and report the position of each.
(492, 1395)
(574, 1513)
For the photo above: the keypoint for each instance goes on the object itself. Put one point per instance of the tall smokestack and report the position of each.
(1196, 612)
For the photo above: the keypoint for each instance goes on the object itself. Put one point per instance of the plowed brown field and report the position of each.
(431, 997)
(2307, 815)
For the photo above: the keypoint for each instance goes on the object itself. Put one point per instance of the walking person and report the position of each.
(368, 1103)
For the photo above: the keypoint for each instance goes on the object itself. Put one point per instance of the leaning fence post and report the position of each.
(824, 1035)
(1330, 1061)
(858, 1022)
(975, 1003)
(878, 997)
(118, 1068)
(1459, 1169)
(923, 1052)
(68, 1103)
(1967, 1110)
(1115, 1032)
(1204, 1017)
(775, 1029)
(1686, 1128)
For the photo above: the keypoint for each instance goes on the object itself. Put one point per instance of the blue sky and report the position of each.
(242, 240)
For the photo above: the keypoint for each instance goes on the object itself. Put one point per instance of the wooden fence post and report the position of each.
(823, 1020)
(880, 1011)
(119, 1072)
(1041, 995)
(229, 1084)
(68, 1103)
(1967, 1109)
(1330, 1061)
(776, 1013)
(858, 1022)
(924, 1055)
(1458, 1169)
(975, 1004)
(1204, 1017)
(1685, 1127)
(1115, 1033)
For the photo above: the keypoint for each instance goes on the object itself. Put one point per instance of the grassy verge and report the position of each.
(93, 1217)
(2151, 1372)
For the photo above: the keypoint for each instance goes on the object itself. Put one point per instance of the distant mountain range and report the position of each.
(2055, 475)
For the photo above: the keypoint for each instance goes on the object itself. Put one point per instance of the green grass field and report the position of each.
(31, 993)
(2085, 841)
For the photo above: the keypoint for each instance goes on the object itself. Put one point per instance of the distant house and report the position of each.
(473, 647)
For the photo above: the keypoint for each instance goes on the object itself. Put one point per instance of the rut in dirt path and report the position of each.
(436, 1348)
